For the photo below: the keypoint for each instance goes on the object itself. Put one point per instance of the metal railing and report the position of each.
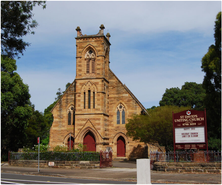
(186, 156)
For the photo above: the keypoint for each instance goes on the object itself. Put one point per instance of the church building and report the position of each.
(94, 109)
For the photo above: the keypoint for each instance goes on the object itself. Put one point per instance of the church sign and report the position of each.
(190, 130)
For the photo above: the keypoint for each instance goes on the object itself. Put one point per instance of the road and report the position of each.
(115, 175)
(7, 178)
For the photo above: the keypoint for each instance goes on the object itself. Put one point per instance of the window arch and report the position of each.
(71, 119)
(120, 114)
(90, 61)
(89, 95)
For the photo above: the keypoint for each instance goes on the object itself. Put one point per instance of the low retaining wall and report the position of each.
(210, 167)
(56, 164)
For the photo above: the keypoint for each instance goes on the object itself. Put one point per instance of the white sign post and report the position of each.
(143, 171)
(38, 151)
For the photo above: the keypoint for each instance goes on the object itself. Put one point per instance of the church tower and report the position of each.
(92, 85)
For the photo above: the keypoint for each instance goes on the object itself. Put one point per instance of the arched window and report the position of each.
(123, 117)
(84, 100)
(93, 65)
(94, 99)
(120, 115)
(87, 65)
(71, 116)
(89, 96)
(90, 61)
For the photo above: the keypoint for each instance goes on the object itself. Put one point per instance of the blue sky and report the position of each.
(154, 45)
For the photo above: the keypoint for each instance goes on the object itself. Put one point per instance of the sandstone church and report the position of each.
(94, 109)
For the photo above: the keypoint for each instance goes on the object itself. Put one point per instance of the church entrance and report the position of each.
(89, 141)
(121, 147)
(70, 143)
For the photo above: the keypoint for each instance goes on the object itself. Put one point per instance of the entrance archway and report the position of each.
(70, 143)
(89, 142)
(121, 147)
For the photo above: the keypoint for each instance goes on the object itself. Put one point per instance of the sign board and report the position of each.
(38, 140)
(51, 164)
(190, 130)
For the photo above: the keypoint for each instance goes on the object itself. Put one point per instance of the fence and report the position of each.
(105, 159)
(186, 156)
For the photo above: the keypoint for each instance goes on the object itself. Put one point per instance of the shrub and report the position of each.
(60, 148)
(57, 156)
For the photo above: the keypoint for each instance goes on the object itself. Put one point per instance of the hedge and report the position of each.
(56, 156)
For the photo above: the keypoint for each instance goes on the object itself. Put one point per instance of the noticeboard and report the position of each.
(190, 130)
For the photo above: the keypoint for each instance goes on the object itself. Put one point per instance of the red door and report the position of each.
(70, 143)
(90, 142)
(121, 148)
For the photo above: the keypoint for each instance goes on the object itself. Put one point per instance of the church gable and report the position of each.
(67, 98)
(118, 92)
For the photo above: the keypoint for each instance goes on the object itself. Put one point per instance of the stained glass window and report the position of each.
(89, 100)
(118, 117)
(94, 100)
(69, 118)
(123, 117)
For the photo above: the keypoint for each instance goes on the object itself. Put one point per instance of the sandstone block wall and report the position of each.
(57, 164)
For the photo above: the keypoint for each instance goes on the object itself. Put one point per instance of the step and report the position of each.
(120, 159)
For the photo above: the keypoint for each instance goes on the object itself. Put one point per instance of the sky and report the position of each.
(154, 45)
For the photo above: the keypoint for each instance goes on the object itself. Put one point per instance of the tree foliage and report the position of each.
(155, 127)
(37, 127)
(15, 106)
(211, 66)
(191, 94)
(16, 22)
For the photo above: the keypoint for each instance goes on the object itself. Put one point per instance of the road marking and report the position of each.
(47, 182)
(8, 182)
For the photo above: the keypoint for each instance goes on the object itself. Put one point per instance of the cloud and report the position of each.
(43, 86)
(154, 45)
(132, 17)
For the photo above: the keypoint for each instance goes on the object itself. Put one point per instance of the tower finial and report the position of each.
(101, 32)
(79, 33)
(102, 27)
(108, 36)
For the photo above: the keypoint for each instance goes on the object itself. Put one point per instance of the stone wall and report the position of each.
(57, 164)
(211, 167)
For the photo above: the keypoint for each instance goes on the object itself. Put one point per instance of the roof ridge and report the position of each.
(62, 95)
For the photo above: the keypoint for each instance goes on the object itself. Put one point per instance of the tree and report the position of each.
(155, 127)
(16, 22)
(37, 127)
(211, 66)
(15, 106)
(191, 94)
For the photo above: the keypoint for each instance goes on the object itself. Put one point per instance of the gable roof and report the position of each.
(62, 95)
(131, 94)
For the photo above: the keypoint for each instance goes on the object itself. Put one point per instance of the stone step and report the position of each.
(120, 159)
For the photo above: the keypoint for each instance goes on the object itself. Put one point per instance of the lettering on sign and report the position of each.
(190, 135)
